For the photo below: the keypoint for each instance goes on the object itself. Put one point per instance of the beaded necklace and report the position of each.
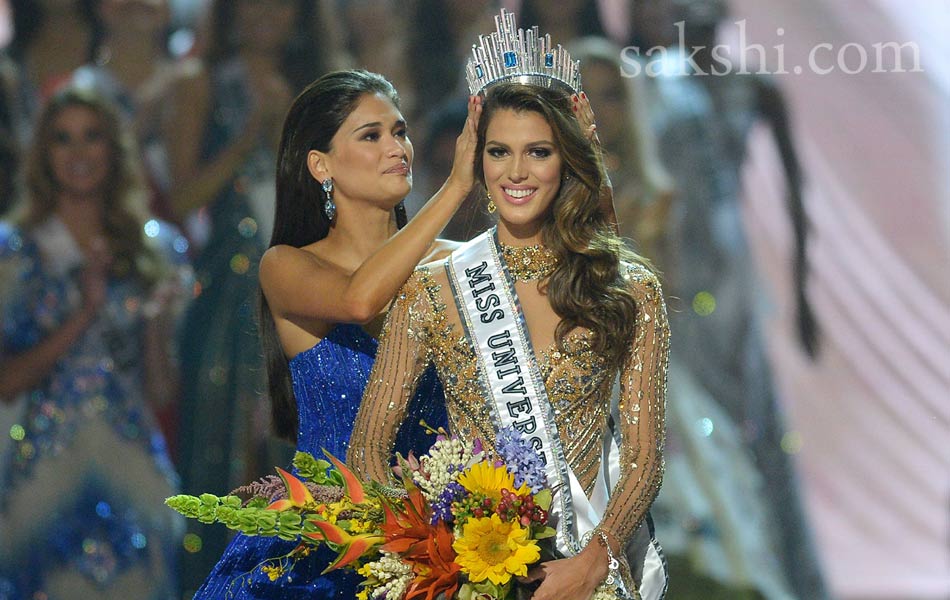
(528, 263)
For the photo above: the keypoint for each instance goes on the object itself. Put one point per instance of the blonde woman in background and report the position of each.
(88, 287)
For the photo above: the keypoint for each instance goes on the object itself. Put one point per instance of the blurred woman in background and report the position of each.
(133, 65)
(89, 288)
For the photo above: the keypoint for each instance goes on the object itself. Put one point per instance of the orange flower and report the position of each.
(438, 573)
(409, 533)
(354, 488)
(350, 547)
(299, 495)
(406, 527)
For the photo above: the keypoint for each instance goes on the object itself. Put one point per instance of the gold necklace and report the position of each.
(527, 263)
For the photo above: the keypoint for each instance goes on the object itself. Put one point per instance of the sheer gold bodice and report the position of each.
(424, 327)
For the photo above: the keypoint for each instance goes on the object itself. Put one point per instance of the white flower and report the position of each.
(447, 458)
(392, 575)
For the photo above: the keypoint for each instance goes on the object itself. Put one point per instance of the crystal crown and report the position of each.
(516, 55)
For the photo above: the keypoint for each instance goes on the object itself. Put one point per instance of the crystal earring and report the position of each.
(491, 203)
(329, 207)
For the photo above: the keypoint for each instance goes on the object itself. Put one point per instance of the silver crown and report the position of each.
(514, 55)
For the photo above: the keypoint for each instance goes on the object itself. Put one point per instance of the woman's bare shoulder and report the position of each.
(289, 263)
(283, 256)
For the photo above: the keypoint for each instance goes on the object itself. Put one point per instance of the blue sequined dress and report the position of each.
(328, 382)
(84, 470)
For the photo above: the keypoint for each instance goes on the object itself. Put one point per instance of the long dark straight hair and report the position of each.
(313, 119)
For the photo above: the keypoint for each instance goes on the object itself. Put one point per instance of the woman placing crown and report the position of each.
(344, 166)
(529, 324)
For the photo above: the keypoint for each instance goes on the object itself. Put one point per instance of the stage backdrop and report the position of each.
(870, 419)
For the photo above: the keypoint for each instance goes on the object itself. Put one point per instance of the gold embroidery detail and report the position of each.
(576, 379)
(527, 263)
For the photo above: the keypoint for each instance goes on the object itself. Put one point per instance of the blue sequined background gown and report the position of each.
(328, 383)
(84, 470)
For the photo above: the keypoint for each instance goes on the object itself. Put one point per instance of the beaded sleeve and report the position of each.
(400, 362)
(642, 409)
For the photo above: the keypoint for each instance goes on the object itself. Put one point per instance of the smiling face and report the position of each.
(80, 156)
(522, 169)
(370, 157)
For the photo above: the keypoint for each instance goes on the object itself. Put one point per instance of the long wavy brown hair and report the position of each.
(124, 210)
(587, 289)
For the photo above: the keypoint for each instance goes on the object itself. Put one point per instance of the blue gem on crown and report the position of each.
(517, 55)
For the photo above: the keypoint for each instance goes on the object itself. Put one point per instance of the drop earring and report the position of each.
(329, 206)
(491, 203)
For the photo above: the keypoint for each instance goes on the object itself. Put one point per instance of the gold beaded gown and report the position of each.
(424, 327)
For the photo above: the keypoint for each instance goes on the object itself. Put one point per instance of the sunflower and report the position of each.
(485, 478)
(492, 549)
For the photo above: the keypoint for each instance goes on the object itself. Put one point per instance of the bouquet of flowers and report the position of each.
(461, 524)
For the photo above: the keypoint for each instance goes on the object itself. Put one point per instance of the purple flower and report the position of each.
(442, 507)
(521, 459)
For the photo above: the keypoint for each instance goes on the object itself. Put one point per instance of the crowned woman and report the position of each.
(530, 324)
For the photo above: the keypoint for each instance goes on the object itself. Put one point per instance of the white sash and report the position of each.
(509, 374)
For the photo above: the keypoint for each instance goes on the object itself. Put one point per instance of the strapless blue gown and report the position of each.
(328, 383)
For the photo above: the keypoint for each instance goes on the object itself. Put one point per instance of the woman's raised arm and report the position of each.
(297, 284)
